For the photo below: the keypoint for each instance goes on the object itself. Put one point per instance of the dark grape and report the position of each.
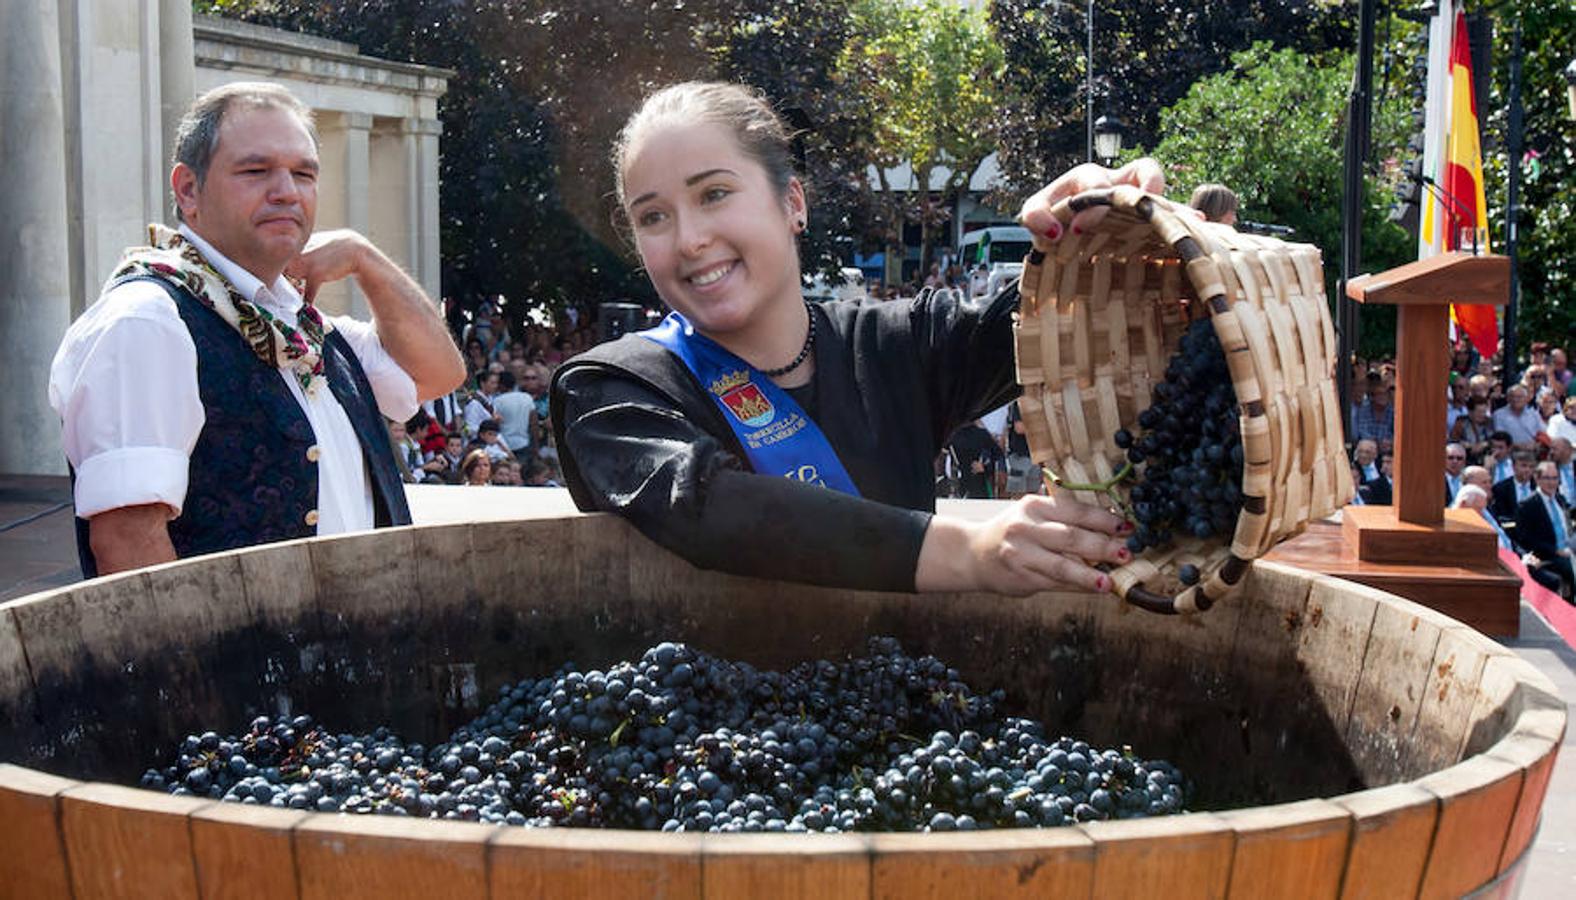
(683, 741)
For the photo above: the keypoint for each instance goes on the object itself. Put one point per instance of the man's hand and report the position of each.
(1143, 173)
(408, 323)
(327, 257)
(131, 537)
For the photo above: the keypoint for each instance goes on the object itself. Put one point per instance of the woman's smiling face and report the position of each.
(716, 236)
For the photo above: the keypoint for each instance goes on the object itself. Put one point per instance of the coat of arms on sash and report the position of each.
(743, 399)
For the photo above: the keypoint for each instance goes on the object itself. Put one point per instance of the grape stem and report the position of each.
(1106, 487)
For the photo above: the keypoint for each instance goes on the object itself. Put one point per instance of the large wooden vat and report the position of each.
(1346, 743)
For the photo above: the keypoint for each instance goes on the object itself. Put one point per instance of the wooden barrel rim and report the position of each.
(1523, 746)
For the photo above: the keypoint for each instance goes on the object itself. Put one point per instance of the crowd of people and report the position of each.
(1507, 451)
(495, 429)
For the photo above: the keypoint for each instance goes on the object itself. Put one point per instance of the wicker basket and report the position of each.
(1100, 316)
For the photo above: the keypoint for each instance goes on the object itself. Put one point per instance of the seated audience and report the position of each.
(1543, 531)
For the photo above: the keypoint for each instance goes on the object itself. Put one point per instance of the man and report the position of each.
(978, 456)
(1560, 453)
(1366, 458)
(1564, 424)
(1498, 462)
(206, 404)
(444, 465)
(1511, 492)
(1543, 529)
(1374, 419)
(1455, 463)
(1516, 418)
(516, 413)
(1022, 474)
(407, 452)
(1479, 476)
(1379, 490)
(1473, 429)
(480, 407)
(1476, 499)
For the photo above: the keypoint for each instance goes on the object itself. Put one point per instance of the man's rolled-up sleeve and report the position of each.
(126, 391)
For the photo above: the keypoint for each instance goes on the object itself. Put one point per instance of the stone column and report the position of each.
(35, 288)
(349, 186)
(176, 71)
(426, 258)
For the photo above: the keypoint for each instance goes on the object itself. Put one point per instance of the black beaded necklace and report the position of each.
(804, 352)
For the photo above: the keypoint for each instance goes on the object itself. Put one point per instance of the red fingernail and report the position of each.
(1124, 527)
(1123, 554)
(1102, 583)
(1077, 229)
(1055, 231)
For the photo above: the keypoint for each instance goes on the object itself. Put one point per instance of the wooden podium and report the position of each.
(1444, 559)
(1418, 529)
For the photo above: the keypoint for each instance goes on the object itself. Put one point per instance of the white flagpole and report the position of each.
(1435, 219)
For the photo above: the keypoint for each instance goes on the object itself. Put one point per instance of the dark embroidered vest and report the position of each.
(252, 480)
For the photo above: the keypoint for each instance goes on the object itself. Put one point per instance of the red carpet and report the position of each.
(1561, 615)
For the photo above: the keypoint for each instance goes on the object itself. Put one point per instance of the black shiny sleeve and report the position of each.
(967, 356)
(637, 456)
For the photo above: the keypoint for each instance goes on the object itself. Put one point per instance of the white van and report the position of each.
(993, 256)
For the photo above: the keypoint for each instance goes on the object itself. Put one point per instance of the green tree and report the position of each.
(1547, 234)
(1146, 55)
(931, 69)
(1272, 128)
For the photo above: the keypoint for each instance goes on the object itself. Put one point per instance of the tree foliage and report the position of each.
(1272, 128)
(1146, 55)
(1547, 235)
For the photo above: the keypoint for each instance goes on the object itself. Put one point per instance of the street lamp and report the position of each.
(1108, 139)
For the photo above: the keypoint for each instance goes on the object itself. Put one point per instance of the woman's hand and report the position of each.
(1037, 544)
(1143, 173)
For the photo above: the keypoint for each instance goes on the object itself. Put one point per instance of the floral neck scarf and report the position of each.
(176, 260)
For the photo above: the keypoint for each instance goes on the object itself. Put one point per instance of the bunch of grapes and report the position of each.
(683, 741)
(1188, 452)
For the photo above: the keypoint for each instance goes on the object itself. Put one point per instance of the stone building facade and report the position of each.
(91, 95)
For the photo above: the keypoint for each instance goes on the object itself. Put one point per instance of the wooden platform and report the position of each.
(1487, 598)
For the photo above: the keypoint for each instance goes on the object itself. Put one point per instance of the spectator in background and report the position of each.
(1560, 453)
(445, 464)
(487, 439)
(1564, 424)
(1455, 403)
(407, 452)
(477, 468)
(1475, 498)
(1022, 474)
(1559, 370)
(978, 457)
(1498, 461)
(1474, 429)
(1517, 418)
(1365, 459)
(1455, 464)
(1536, 380)
(516, 413)
(1511, 492)
(1543, 530)
(1549, 407)
(479, 408)
(1217, 202)
(1461, 360)
(1379, 491)
(1479, 476)
(1374, 418)
(1357, 479)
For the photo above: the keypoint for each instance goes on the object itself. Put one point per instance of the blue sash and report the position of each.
(778, 438)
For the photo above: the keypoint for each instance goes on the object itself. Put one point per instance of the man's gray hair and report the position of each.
(197, 135)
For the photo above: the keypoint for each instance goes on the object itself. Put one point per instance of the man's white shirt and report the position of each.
(124, 383)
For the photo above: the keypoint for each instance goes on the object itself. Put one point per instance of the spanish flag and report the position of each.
(1459, 219)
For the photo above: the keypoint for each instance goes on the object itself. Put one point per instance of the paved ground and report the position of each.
(38, 552)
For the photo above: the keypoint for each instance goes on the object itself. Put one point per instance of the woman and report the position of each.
(1473, 430)
(855, 398)
(477, 468)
